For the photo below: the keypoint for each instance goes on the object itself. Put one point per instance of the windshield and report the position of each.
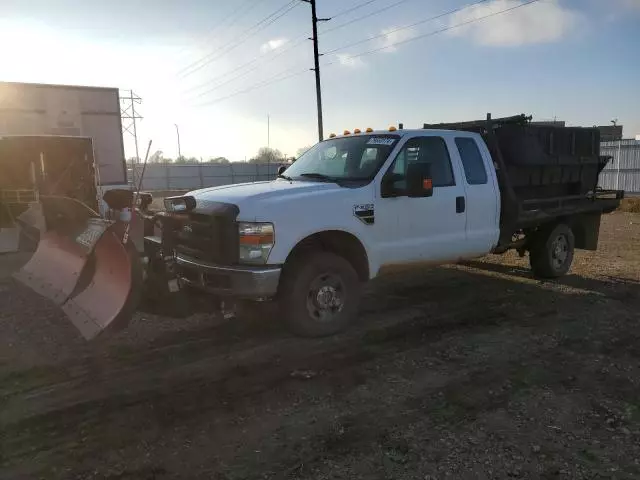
(344, 158)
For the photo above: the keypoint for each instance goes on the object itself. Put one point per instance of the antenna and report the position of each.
(144, 167)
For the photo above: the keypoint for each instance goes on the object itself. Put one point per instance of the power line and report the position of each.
(246, 6)
(262, 84)
(288, 45)
(371, 14)
(256, 86)
(415, 24)
(349, 10)
(261, 25)
(246, 72)
(216, 54)
(279, 78)
(442, 30)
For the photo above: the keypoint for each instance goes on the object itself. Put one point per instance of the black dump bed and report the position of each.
(544, 171)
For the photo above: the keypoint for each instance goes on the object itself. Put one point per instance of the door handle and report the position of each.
(460, 204)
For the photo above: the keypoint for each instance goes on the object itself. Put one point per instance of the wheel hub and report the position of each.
(559, 250)
(326, 297)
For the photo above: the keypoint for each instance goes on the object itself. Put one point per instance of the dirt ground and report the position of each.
(471, 371)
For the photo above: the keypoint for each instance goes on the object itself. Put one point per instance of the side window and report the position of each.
(472, 161)
(434, 151)
(431, 150)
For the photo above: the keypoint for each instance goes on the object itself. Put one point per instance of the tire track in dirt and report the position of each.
(437, 332)
(199, 370)
(240, 381)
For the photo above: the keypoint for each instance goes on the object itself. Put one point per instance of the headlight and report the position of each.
(256, 242)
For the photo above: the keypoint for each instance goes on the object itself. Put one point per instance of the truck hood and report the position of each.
(254, 198)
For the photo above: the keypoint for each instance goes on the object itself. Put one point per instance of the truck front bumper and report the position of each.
(234, 281)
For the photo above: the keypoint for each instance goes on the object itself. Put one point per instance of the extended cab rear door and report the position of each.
(482, 195)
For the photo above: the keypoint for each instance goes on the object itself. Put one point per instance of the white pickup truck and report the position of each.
(358, 203)
(344, 212)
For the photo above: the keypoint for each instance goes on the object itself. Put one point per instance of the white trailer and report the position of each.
(32, 113)
(64, 110)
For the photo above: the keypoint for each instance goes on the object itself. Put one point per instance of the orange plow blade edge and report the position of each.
(93, 276)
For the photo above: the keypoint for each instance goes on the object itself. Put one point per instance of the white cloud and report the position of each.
(349, 61)
(272, 44)
(542, 22)
(391, 37)
(632, 3)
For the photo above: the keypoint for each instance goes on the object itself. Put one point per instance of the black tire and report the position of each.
(319, 294)
(551, 252)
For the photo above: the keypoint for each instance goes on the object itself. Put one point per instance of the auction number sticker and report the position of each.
(381, 141)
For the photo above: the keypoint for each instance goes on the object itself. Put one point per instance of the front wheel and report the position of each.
(319, 294)
(551, 251)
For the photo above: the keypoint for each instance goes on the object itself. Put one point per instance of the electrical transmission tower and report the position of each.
(129, 116)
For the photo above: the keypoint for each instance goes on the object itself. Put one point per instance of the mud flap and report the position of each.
(110, 298)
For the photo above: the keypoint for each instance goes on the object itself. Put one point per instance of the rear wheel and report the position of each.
(319, 295)
(551, 252)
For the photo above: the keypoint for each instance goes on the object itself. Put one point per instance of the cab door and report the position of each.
(482, 195)
(426, 229)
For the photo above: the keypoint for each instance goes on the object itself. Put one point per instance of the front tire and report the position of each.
(319, 295)
(552, 251)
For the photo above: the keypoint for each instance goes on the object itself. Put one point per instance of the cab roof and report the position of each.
(399, 133)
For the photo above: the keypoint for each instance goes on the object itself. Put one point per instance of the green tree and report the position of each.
(158, 157)
(268, 155)
(302, 150)
(186, 161)
(220, 160)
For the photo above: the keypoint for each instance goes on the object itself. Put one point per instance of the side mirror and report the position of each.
(419, 182)
(387, 188)
(185, 203)
(281, 169)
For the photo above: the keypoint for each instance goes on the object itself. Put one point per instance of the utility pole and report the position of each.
(178, 135)
(268, 131)
(316, 63)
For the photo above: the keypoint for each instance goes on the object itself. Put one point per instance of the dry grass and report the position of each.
(631, 205)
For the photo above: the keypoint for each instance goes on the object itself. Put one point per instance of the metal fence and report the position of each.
(623, 170)
(190, 177)
(621, 173)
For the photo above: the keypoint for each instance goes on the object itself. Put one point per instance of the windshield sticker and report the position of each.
(381, 141)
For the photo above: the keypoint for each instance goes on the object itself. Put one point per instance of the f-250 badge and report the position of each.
(365, 212)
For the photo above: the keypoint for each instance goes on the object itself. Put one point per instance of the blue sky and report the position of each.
(576, 60)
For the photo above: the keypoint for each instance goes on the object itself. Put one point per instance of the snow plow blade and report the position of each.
(88, 266)
(54, 269)
(110, 298)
